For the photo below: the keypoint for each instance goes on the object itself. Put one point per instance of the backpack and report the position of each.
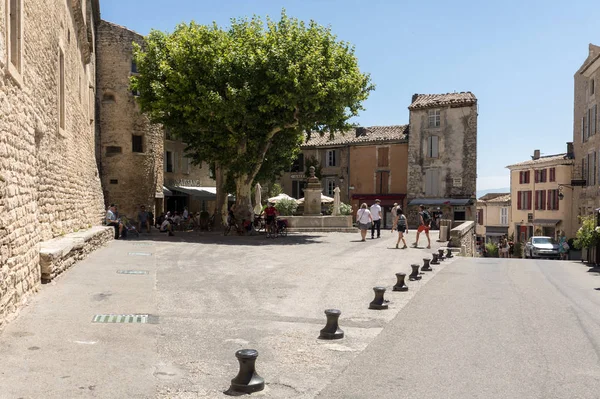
(426, 217)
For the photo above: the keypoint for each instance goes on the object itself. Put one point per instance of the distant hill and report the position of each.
(481, 193)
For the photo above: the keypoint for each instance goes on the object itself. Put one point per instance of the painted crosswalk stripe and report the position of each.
(139, 254)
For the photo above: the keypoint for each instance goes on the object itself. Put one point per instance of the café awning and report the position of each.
(546, 222)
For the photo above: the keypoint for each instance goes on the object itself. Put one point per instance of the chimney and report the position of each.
(570, 152)
(414, 97)
(536, 154)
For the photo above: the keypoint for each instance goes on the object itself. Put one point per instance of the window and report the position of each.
(382, 182)
(298, 165)
(169, 162)
(133, 67)
(432, 182)
(504, 216)
(524, 177)
(331, 158)
(61, 89)
(552, 174)
(187, 162)
(594, 119)
(583, 128)
(524, 200)
(589, 123)
(432, 147)
(552, 200)
(135, 93)
(112, 150)
(114, 181)
(592, 87)
(298, 188)
(434, 117)
(329, 187)
(15, 31)
(383, 159)
(137, 143)
(480, 216)
(540, 200)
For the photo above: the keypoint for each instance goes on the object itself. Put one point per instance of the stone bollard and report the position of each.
(435, 260)
(332, 329)
(415, 273)
(426, 267)
(378, 302)
(440, 254)
(449, 253)
(400, 286)
(247, 380)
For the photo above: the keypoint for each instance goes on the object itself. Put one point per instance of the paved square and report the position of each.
(213, 295)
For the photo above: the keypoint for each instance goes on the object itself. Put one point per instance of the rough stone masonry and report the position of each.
(49, 180)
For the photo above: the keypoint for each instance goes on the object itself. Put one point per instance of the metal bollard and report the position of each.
(332, 329)
(449, 253)
(400, 286)
(440, 254)
(426, 267)
(435, 260)
(415, 273)
(378, 303)
(247, 380)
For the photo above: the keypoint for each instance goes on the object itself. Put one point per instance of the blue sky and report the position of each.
(517, 57)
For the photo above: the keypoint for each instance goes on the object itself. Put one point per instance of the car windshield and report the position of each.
(543, 240)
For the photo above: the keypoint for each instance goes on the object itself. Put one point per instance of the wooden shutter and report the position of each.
(537, 176)
(385, 179)
(433, 147)
(537, 206)
(583, 128)
(520, 177)
(383, 157)
(594, 116)
(529, 200)
(519, 199)
(549, 204)
(556, 200)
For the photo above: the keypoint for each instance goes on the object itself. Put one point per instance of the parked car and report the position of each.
(541, 247)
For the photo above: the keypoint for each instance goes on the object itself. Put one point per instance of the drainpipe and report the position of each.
(348, 177)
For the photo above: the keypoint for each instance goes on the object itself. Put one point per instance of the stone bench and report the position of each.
(60, 253)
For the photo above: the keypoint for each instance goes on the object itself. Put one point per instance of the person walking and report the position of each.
(424, 221)
(376, 217)
(143, 219)
(363, 220)
(402, 226)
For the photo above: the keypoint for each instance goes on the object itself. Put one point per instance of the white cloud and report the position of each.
(489, 182)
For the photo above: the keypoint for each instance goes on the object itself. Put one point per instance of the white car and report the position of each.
(541, 247)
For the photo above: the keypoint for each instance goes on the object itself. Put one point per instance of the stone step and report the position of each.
(322, 229)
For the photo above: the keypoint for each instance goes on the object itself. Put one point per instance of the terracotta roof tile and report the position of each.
(490, 196)
(420, 101)
(544, 159)
(502, 198)
(360, 135)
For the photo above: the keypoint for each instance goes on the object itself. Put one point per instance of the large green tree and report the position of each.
(249, 92)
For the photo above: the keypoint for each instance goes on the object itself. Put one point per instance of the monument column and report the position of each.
(312, 195)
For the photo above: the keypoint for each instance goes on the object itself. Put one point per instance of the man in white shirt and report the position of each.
(111, 220)
(376, 214)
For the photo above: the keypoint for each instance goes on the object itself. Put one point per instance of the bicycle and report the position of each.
(259, 223)
(230, 225)
(271, 228)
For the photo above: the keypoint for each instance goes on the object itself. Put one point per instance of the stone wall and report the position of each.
(463, 237)
(129, 178)
(49, 181)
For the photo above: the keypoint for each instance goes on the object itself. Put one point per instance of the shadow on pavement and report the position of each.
(214, 237)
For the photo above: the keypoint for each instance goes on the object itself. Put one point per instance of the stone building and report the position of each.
(130, 148)
(49, 180)
(586, 140)
(542, 196)
(140, 163)
(442, 155)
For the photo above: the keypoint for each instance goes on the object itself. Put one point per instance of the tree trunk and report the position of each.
(243, 198)
(221, 201)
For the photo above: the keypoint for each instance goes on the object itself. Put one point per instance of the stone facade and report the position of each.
(463, 237)
(442, 155)
(49, 181)
(586, 137)
(131, 149)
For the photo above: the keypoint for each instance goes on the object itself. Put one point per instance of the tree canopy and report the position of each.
(248, 93)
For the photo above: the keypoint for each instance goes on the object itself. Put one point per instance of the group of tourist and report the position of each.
(370, 218)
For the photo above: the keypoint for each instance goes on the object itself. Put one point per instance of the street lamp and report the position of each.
(561, 196)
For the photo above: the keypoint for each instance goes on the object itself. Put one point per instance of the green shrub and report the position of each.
(587, 236)
(345, 209)
(286, 207)
(492, 250)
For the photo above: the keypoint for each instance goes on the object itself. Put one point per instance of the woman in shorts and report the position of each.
(363, 220)
(401, 226)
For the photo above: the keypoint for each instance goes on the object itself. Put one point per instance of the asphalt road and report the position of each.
(471, 329)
